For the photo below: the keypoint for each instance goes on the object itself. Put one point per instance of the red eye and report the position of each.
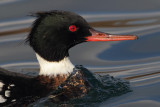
(72, 28)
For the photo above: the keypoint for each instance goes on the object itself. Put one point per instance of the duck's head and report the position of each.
(55, 32)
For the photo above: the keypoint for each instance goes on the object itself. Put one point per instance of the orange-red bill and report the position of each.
(100, 36)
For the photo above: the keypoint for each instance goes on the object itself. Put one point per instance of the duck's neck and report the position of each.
(49, 68)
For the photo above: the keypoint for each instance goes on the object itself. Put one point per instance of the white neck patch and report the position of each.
(54, 68)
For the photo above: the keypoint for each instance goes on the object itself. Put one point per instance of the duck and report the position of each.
(53, 33)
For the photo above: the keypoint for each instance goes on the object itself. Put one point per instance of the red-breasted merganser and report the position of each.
(52, 35)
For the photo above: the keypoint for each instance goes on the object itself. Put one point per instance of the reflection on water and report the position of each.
(137, 61)
(7, 1)
(128, 22)
(144, 48)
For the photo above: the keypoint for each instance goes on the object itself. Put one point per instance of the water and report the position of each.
(137, 61)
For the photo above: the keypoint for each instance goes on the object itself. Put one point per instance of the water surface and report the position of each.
(137, 61)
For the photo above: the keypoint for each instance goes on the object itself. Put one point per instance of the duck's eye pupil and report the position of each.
(72, 28)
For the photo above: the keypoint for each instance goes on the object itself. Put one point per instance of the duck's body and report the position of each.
(18, 87)
(52, 35)
(20, 90)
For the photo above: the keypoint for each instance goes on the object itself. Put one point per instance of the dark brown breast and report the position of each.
(75, 86)
(51, 82)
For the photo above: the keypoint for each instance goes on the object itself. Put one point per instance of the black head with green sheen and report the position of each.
(55, 32)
